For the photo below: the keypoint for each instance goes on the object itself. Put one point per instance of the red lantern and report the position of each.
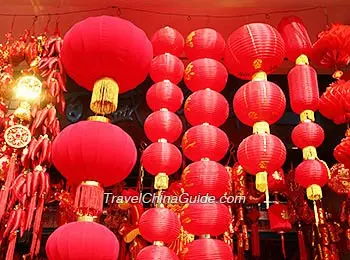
(159, 224)
(252, 48)
(205, 73)
(204, 43)
(208, 249)
(167, 40)
(163, 125)
(259, 101)
(205, 177)
(155, 252)
(277, 182)
(164, 94)
(106, 46)
(166, 67)
(296, 37)
(206, 218)
(205, 141)
(307, 134)
(82, 240)
(303, 88)
(342, 151)
(94, 151)
(161, 158)
(206, 106)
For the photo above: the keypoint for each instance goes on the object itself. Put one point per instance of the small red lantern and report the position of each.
(259, 101)
(163, 125)
(277, 181)
(205, 142)
(205, 73)
(82, 240)
(342, 151)
(208, 249)
(166, 67)
(155, 252)
(204, 43)
(159, 224)
(252, 48)
(205, 177)
(206, 218)
(164, 94)
(167, 40)
(306, 134)
(206, 106)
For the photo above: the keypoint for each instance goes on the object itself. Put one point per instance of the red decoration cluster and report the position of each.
(342, 151)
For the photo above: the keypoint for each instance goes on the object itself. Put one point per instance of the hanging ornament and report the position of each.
(167, 40)
(166, 67)
(277, 182)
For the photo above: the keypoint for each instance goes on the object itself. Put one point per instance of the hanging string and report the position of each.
(13, 23)
(46, 28)
(32, 28)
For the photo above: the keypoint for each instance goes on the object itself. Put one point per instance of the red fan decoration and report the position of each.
(259, 101)
(166, 67)
(205, 141)
(340, 179)
(163, 125)
(205, 73)
(155, 252)
(252, 48)
(208, 249)
(159, 224)
(277, 182)
(167, 40)
(164, 94)
(82, 240)
(206, 218)
(205, 177)
(206, 106)
(307, 133)
(204, 43)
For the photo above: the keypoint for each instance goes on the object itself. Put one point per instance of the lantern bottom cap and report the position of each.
(314, 192)
(261, 181)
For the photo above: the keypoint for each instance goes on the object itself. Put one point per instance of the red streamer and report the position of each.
(255, 240)
(302, 247)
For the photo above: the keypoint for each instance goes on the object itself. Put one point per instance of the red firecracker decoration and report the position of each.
(204, 43)
(166, 67)
(206, 106)
(167, 40)
(156, 252)
(307, 133)
(205, 73)
(208, 249)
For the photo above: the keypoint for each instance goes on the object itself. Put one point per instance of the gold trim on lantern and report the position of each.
(161, 181)
(205, 159)
(257, 64)
(86, 218)
(302, 60)
(99, 119)
(337, 74)
(91, 183)
(314, 192)
(259, 76)
(261, 181)
(307, 115)
(205, 236)
(104, 99)
(162, 140)
(261, 128)
(163, 109)
(158, 243)
(309, 153)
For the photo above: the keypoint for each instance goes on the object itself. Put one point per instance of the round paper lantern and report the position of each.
(252, 48)
(208, 249)
(161, 158)
(163, 125)
(277, 182)
(106, 46)
(205, 73)
(82, 240)
(303, 88)
(164, 94)
(204, 43)
(205, 141)
(307, 134)
(159, 224)
(205, 177)
(206, 106)
(167, 40)
(94, 151)
(155, 252)
(206, 218)
(259, 101)
(166, 67)
(296, 37)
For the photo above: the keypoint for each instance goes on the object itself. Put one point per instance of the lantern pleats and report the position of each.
(205, 141)
(167, 40)
(311, 172)
(156, 253)
(208, 249)
(159, 224)
(206, 106)
(307, 134)
(164, 94)
(205, 73)
(166, 67)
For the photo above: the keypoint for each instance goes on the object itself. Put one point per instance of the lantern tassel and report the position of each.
(267, 198)
(31, 209)
(104, 99)
(11, 246)
(314, 192)
(316, 214)
(89, 198)
(283, 246)
(255, 240)
(302, 247)
(261, 181)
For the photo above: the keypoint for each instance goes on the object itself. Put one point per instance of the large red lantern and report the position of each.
(206, 218)
(208, 249)
(94, 151)
(205, 141)
(166, 67)
(307, 134)
(82, 240)
(205, 177)
(167, 40)
(252, 48)
(259, 101)
(155, 252)
(159, 224)
(204, 43)
(164, 94)
(206, 106)
(205, 73)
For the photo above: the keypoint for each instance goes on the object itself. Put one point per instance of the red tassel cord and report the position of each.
(302, 247)
(31, 209)
(89, 199)
(283, 246)
(11, 246)
(240, 247)
(256, 240)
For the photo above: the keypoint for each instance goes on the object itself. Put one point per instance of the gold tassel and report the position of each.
(261, 128)
(259, 76)
(261, 181)
(316, 214)
(267, 197)
(161, 181)
(302, 60)
(314, 192)
(307, 115)
(309, 153)
(104, 99)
